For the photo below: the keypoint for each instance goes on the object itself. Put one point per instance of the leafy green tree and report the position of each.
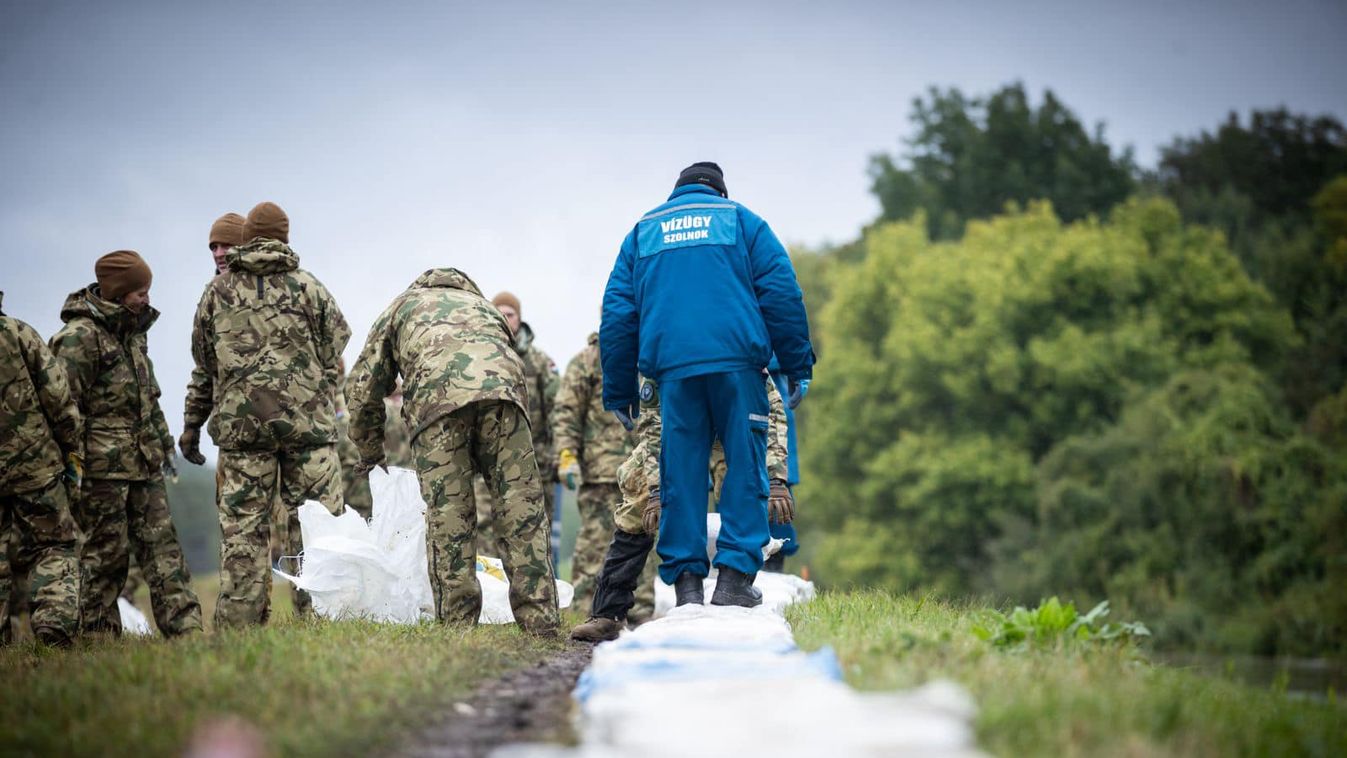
(1274, 165)
(954, 369)
(1204, 510)
(970, 157)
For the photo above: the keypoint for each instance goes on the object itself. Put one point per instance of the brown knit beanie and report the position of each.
(506, 298)
(121, 272)
(227, 230)
(266, 219)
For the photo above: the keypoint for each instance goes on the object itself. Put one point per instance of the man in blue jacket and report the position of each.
(701, 296)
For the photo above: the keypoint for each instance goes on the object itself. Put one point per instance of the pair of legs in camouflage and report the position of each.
(47, 555)
(486, 522)
(119, 517)
(597, 502)
(491, 438)
(250, 481)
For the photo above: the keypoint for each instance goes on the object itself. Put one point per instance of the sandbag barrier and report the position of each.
(709, 681)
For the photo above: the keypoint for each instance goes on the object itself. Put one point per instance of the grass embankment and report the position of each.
(308, 687)
(1063, 698)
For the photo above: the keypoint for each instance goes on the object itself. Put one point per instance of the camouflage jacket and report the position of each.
(269, 336)
(452, 348)
(40, 420)
(104, 351)
(541, 383)
(649, 427)
(580, 424)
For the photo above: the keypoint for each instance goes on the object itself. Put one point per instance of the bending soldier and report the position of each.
(464, 401)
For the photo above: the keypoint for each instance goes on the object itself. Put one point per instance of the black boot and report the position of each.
(775, 564)
(615, 592)
(688, 588)
(735, 588)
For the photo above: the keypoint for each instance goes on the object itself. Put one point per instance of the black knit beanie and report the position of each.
(703, 172)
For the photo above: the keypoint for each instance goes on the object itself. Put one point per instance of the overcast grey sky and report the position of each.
(519, 141)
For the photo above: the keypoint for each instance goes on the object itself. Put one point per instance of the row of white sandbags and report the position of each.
(378, 569)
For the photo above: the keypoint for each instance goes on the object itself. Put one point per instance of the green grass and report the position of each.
(309, 687)
(1066, 699)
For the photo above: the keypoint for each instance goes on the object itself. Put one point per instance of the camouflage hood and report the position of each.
(446, 277)
(106, 358)
(263, 256)
(113, 317)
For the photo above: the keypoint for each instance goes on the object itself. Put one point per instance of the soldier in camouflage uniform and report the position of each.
(626, 585)
(225, 235)
(270, 336)
(123, 503)
(541, 384)
(464, 402)
(591, 444)
(41, 454)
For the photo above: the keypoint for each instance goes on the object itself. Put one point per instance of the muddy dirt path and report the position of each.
(525, 705)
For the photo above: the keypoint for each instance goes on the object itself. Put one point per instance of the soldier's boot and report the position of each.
(688, 589)
(776, 564)
(735, 588)
(597, 629)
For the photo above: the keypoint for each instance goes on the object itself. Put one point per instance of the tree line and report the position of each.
(1046, 371)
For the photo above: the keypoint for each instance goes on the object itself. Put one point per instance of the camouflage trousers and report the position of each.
(486, 524)
(627, 517)
(490, 437)
(48, 559)
(250, 484)
(597, 502)
(119, 517)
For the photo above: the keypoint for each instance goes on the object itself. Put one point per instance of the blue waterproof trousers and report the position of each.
(697, 410)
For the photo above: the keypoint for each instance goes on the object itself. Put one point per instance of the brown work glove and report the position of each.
(650, 516)
(190, 444)
(780, 503)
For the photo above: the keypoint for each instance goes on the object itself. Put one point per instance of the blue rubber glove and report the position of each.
(797, 388)
(627, 416)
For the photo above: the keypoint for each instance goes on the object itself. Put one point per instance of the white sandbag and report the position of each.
(133, 621)
(681, 685)
(713, 531)
(496, 592)
(378, 569)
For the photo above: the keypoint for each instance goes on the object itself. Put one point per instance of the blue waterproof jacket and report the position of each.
(701, 286)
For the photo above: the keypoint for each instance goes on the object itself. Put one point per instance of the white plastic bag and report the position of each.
(133, 621)
(378, 570)
(375, 570)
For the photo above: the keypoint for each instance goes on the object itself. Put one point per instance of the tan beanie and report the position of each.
(266, 219)
(506, 298)
(227, 230)
(121, 272)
